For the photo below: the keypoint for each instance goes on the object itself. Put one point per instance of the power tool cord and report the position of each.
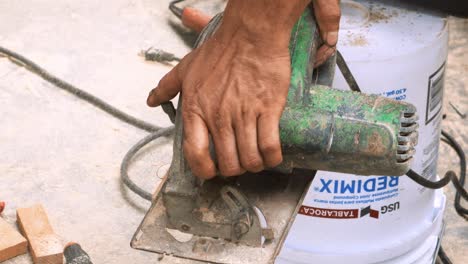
(443, 256)
(461, 154)
(169, 109)
(177, 11)
(131, 153)
(156, 131)
(347, 74)
(99, 103)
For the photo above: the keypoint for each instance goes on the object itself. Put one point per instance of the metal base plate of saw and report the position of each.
(276, 195)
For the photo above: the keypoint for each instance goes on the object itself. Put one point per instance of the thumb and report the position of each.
(169, 86)
(327, 13)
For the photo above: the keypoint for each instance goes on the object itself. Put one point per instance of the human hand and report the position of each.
(234, 88)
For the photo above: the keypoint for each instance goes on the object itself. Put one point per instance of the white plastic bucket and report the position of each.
(400, 53)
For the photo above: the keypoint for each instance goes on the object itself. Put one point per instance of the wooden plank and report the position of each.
(44, 244)
(12, 243)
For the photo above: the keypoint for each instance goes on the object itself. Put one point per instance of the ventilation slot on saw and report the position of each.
(408, 136)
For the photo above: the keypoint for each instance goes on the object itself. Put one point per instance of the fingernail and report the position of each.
(331, 38)
(151, 100)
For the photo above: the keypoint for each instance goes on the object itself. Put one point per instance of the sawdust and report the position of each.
(375, 17)
(381, 15)
(357, 40)
(207, 215)
(375, 145)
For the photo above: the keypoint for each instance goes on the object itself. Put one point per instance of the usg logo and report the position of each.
(383, 210)
(390, 208)
(368, 211)
(365, 185)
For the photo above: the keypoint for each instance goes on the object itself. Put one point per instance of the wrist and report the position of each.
(261, 20)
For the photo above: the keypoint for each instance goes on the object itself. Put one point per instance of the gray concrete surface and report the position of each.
(65, 154)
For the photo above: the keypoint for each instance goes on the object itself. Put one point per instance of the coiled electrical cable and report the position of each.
(99, 103)
(131, 153)
(156, 131)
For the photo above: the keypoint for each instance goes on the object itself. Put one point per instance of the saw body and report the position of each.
(349, 132)
(320, 129)
(341, 131)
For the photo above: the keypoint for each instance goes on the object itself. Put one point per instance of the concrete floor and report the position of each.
(65, 154)
(455, 241)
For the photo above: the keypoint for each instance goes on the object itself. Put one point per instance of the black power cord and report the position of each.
(461, 154)
(156, 131)
(443, 256)
(450, 176)
(131, 153)
(99, 103)
(177, 11)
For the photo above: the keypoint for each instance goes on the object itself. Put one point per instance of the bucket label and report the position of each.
(355, 191)
(329, 213)
(357, 185)
(373, 211)
(397, 94)
(435, 94)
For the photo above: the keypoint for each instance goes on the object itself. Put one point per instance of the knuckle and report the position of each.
(245, 113)
(194, 154)
(253, 163)
(204, 174)
(191, 110)
(198, 154)
(275, 161)
(230, 169)
(268, 147)
(197, 160)
(332, 17)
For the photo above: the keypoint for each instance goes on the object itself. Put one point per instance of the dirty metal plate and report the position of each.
(277, 196)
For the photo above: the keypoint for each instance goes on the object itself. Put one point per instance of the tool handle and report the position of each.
(74, 254)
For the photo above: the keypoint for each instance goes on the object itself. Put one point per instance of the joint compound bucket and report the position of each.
(398, 52)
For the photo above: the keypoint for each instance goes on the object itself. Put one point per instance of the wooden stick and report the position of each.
(12, 243)
(45, 245)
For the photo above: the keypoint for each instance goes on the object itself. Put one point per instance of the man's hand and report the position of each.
(234, 87)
